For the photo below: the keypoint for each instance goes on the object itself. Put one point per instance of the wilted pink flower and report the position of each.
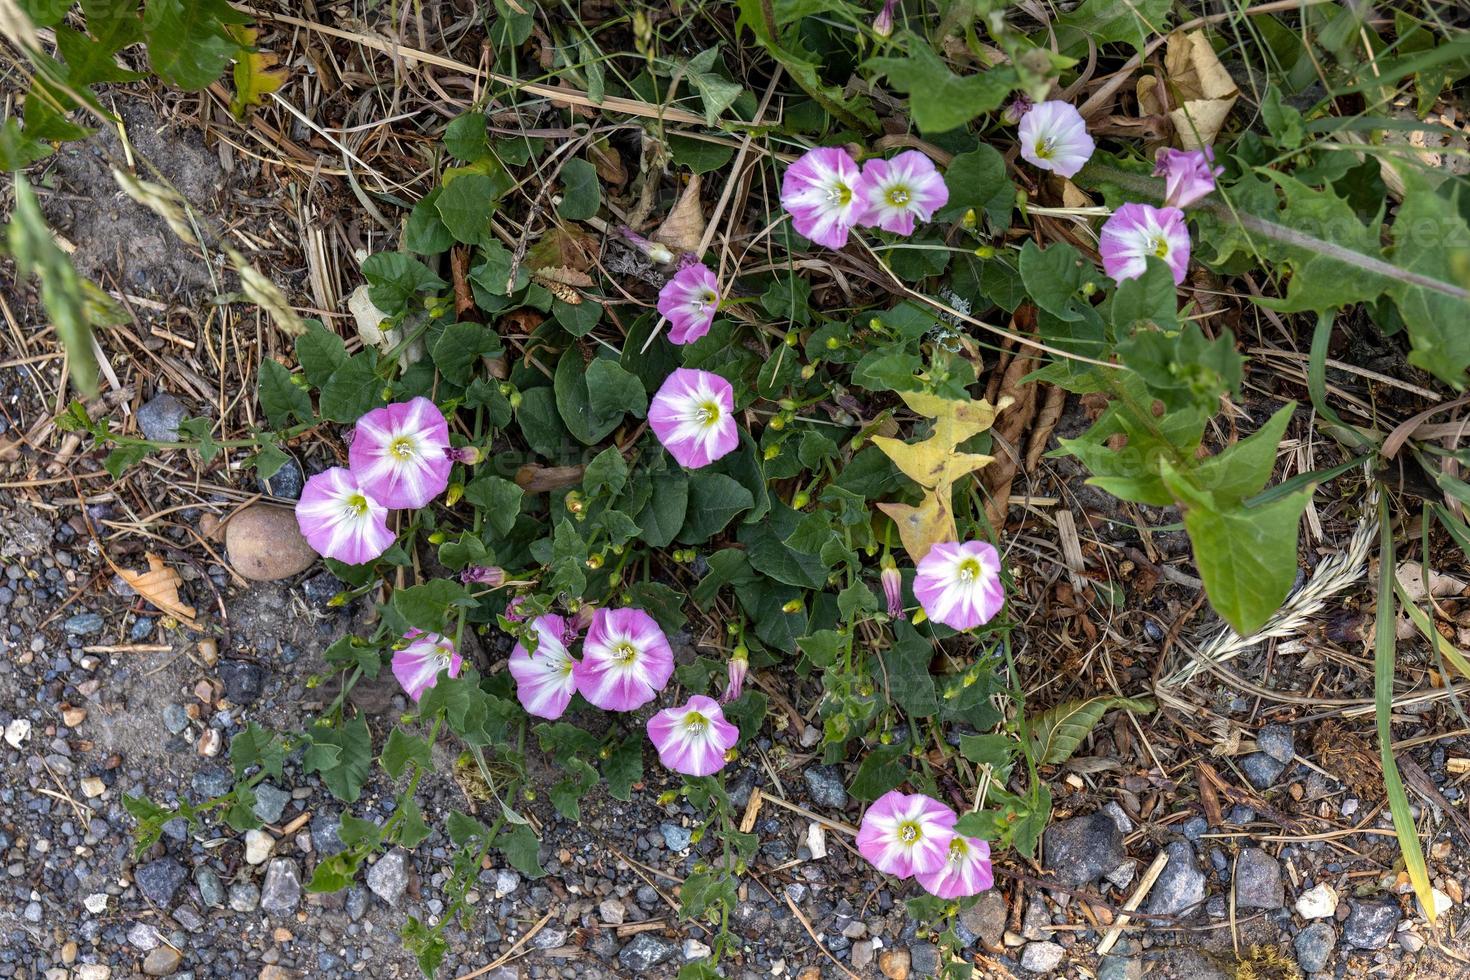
(735, 671)
(820, 191)
(341, 521)
(959, 584)
(1136, 231)
(693, 416)
(883, 23)
(490, 575)
(544, 681)
(895, 192)
(1013, 113)
(581, 619)
(655, 251)
(417, 665)
(467, 455)
(625, 661)
(689, 301)
(1188, 174)
(966, 870)
(397, 453)
(892, 580)
(694, 737)
(905, 835)
(1053, 136)
(513, 609)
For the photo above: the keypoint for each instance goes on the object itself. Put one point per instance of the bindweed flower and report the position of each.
(656, 252)
(1053, 136)
(820, 192)
(693, 416)
(1016, 111)
(966, 870)
(735, 671)
(490, 575)
(339, 520)
(544, 681)
(397, 453)
(883, 23)
(625, 661)
(959, 584)
(1188, 175)
(906, 835)
(694, 737)
(892, 580)
(689, 301)
(895, 192)
(1136, 231)
(417, 665)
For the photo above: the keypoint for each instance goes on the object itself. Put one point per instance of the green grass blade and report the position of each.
(1384, 655)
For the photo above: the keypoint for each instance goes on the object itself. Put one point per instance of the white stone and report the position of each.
(1319, 902)
(93, 787)
(93, 971)
(816, 840)
(17, 732)
(1442, 903)
(695, 950)
(95, 903)
(258, 846)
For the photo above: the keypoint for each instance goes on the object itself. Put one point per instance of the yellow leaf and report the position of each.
(954, 421)
(921, 528)
(1203, 89)
(931, 462)
(256, 74)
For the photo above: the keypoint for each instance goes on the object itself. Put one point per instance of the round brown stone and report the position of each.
(264, 543)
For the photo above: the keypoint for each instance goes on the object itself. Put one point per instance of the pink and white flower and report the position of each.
(694, 737)
(820, 190)
(340, 520)
(735, 670)
(905, 835)
(892, 580)
(689, 302)
(544, 679)
(895, 192)
(1188, 174)
(966, 870)
(1053, 136)
(693, 416)
(626, 660)
(417, 665)
(398, 453)
(959, 584)
(1137, 231)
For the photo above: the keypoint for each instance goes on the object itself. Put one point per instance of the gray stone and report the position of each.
(1036, 921)
(695, 950)
(1181, 886)
(506, 882)
(1041, 957)
(1314, 946)
(1112, 809)
(175, 719)
(612, 911)
(550, 938)
(324, 837)
(281, 891)
(389, 877)
(357, 903)
(83, 624)
(1258, 880)
(160, 416)
(211, 890)
(210, 783)
(1119, 968)
(986, 918)
(824, 784)
(243, 681)
(862, 953)
(676, 838)
(1082, 849)
(187, 918)
(1278, 742)
(159, 879)
(924, 959)
(244, 897)
(1370, 924)
(270, 802)
(144, 936)
(644, 952)
(286, 482)
(1261, 769)
(1184, 963)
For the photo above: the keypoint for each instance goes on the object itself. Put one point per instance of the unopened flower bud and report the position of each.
(801, 499)
(970, 219)
(1012, 113)
(490, 575)
(772, 452)
(513, 610)
(594, 562)
(467, 455)
(883, 23)
(808, 371)
(437, 537)
(574, 503)
(735, 670)
(794, 606)
(892, 588)
(985, 252)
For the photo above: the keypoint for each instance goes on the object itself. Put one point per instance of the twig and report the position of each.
(1136, 899)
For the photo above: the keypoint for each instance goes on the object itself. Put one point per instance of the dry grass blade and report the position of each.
(160, 586)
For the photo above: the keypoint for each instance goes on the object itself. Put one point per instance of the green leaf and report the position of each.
(320, 351)
(1242, 470)
(521, 850)
(464, 137)
(977, 179)
(568, 560)
(698, 155)
(498, 499)
(1283, 120)
(581, 192)
(567, 793)
(280, 398)
(910, 685)
(1052, 277)
(396, 280)
(459, 348)
(716, 92)
(402, 749)
(663, 514)
(940, 100)
(1147, 300)
(608, 472)
(1056, 733)
(1431, 238)
(122, 457)
(1183, 369)
(881, 770)
(996, 751)
(592, 399)
(256, 746)
(18, 150)
(187, 40)
(425, 232)
(342, 756)
(466, 203)
(714, 500)
(426, 607)
(353, 390)
(1106, 21)
(623, 767)
(36, 253)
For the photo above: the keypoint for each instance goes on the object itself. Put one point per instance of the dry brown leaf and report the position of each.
(921, 528)
(1008, 431)
(1046, 423)
(160, 586)
(683, 229)
(565, 275)
(608, 163)
(534, 478)
(566, 246)
(1205, 89)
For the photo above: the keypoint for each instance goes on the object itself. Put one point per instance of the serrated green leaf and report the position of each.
(521, 849)
(1056, 733)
